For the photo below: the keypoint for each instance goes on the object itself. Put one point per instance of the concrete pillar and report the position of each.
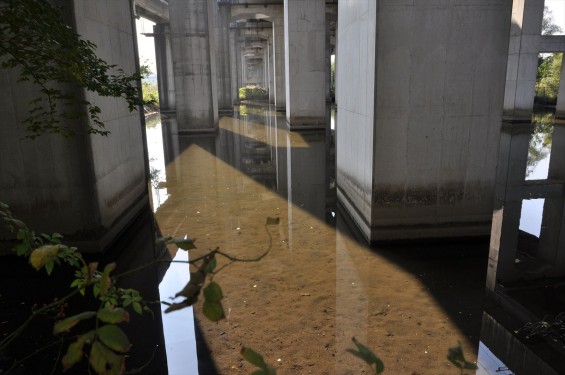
(233, 66)
(192, 39)
(165, 76)
(419, 114)
(223, 62)
(85, 186)
(279, 62)
(271, 71)
(523, 50)
(305, 53)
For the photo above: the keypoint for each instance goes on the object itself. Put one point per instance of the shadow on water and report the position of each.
(300, 169)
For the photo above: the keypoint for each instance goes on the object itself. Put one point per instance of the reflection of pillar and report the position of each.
(165, 76)
(223, 54)
(510, 187)
(279, 61)
(511, 171)
(194, 64)
(552, 235)
(305, 45)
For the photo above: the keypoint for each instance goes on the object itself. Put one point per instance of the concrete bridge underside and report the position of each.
(430, 99)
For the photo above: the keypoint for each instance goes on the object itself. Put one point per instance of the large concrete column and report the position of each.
(279, 61)
(523, 50)
(223, 59)
(305, 52)
(419, 114)
(164, 60)
(87, 187)
(192, 39)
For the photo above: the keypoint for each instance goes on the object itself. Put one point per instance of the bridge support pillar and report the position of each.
(165, 76)
(305, 45)
(419, 116)
(279, 62)
(194, 62)
(223, 59)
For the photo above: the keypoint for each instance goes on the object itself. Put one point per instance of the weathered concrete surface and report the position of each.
(194, 64)
(222, 19)
(420, 93)
(165, 74)
(305, 67)
(84, 185)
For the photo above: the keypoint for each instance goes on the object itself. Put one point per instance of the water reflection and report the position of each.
(320, 285)
(539, 149)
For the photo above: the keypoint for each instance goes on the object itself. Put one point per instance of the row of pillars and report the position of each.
(203, 59)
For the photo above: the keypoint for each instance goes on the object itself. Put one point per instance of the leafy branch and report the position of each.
(108, 343)
(35, 40)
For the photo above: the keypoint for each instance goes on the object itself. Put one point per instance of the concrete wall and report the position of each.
(194, 65)
(305, 56)
(87, 185)
(356, 81)
(419, 139)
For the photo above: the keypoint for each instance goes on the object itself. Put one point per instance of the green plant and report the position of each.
(103, 339)
(37, 42)
(253, 92)
(455, 356)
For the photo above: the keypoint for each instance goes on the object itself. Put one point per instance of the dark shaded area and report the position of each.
(453, 271)
(22, 287)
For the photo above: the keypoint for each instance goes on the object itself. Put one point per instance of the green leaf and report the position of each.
(68, 323)
(73, 355)
(114, 338)
(211, 266)
(213, 310)
(185, 244)
(367, 356)
(113, 315)
(104, 361)
(253, 357)
(456, 357)
(213, 292)
(137, 307)
(256, 359)
(43, 255)
(49, 266)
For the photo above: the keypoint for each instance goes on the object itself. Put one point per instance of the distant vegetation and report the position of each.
(253, 92)
(549, 66)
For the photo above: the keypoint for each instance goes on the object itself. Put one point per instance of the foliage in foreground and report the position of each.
(106, 345)
(45, 51)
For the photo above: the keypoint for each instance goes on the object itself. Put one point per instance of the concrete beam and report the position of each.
(154, 10)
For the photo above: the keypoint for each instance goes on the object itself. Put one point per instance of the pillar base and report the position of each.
(198, 131)
(306, 123)
(225, 112)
